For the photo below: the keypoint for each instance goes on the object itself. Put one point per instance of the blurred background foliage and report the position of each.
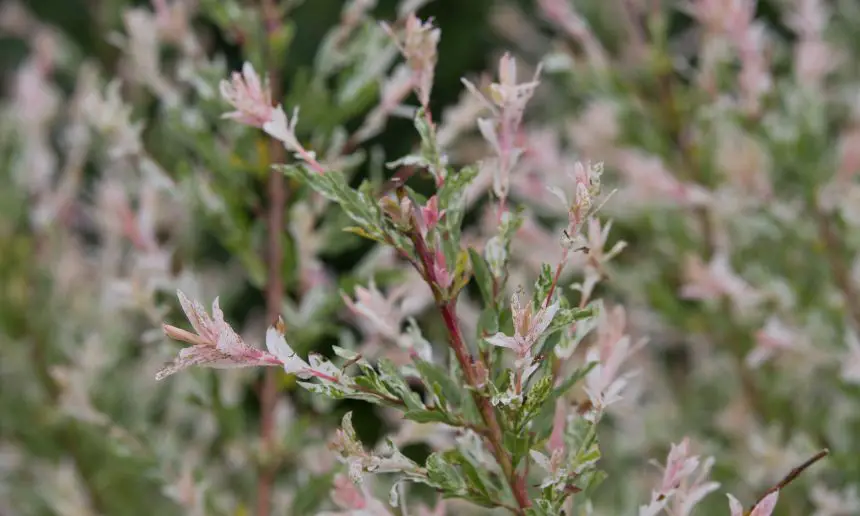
(114, 458)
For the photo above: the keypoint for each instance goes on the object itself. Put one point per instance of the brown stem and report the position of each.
(275, 282)
(465, 359)
(793, 474)
(274, 289)
(494, 431)
(397, 180)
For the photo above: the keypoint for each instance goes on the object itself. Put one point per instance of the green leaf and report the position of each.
(541, 507)
(591, 481)
(429, 146)
(392, 379)
(535, 399)
(462, 273)
(543, 284)
(425, 130)
(567, 316)
(444, 475)
(488, 324)
(481, 489)
(344, 353)
(567, 344)
(279, 41)
(452, 199)
(511, 223)
(410, 160)
(573, 379)
(451, 192)
(357, 204)
(327, 390)
(588, 456)
(431, 374)
(355, 230)
(470, 410)
(428, 416)
(518, 445)
(371, 381)
(483, 277)
(312, 494)
(582, 437)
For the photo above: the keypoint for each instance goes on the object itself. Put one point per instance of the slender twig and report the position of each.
(274, 281)
(793, 474)
(494, 434)
(494, 431)
(558, 269)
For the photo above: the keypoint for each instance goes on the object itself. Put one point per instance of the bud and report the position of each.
(251, 99)
(443, 276)
(398, 210)
(430, 215)
(418, 46)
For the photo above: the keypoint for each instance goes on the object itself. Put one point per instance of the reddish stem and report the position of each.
(555, 278)
(274, 289)
(277, 197)
(494, 431)
(310, 160)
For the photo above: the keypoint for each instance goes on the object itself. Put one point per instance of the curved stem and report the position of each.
(455, 335)
(494, 430)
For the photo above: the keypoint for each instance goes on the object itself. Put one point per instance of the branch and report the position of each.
(459, 423)
(275, 282)
(793, 474)
(465, 359)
